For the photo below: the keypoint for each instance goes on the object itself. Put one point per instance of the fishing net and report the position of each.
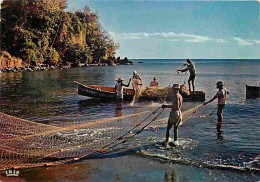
(29, 144)
(162, 92)
(25, 143)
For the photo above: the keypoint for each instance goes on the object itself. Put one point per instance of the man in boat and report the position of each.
(120, 91)
(154, 83)
(190, 66)
(175, 118)
(222, 97)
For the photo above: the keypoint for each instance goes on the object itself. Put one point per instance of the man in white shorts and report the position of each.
(175, 118)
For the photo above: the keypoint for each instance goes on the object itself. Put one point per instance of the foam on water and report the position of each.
(156, 150)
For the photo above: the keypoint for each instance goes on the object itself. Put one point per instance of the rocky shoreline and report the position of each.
(44, 67)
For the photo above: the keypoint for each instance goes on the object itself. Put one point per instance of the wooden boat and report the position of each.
(104, 92)
(252, 92)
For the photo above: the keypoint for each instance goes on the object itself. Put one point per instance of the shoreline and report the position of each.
(44, 67)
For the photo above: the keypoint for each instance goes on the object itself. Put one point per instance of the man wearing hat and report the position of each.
(154, 83)
(190, 66)
(175, 118)
(222, 97)
(120, 91)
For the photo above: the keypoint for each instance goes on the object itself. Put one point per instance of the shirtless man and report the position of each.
(222, 97)
(190, 66)
(175, 118)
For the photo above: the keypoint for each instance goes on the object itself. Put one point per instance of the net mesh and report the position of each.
(25, 143)
(162, 92)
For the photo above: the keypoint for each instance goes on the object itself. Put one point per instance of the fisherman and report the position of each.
(222, 97)
(175, 118)
(137, 82)
(137, 86)
(190, 66)
(154, 83)
(119, 91)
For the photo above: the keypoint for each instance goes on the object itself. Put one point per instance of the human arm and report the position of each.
(183, 70)
(128, 83)
(166, 106)
(210, 100)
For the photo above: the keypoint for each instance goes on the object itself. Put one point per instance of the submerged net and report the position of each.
(29, 144)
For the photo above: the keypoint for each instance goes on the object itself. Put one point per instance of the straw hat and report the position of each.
(120, 79)
(220, 83)
(176, 86)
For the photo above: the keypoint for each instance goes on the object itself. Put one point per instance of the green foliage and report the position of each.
(52, 57)
(32, 56)
(76, 54)
(40, 30)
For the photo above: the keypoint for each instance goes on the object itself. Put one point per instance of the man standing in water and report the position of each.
(175, 118)
(190, 66)
(137, 86)
(222, 97)
(120, 91)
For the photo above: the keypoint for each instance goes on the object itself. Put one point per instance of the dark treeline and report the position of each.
(41, 31)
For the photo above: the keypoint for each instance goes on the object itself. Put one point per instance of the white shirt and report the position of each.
(119, 90)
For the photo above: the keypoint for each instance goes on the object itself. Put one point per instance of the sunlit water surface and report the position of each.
(51, 97)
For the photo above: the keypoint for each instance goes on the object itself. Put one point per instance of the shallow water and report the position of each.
(51, 97)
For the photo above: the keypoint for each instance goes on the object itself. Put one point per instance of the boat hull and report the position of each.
(252, 92)
(108, 93)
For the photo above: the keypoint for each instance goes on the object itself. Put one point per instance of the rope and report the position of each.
(213, 110)
(194, 110)
(105, 148)
(178, 72)
(137, 133)
(128, 132)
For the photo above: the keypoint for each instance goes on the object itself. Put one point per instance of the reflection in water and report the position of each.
(220, 137)
(118, 112)
(170, 177)
(66, 172)
(52, 97)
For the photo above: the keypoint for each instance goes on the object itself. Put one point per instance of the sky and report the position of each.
(180, 29)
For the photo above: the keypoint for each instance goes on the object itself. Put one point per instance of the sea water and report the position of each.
(51, 97)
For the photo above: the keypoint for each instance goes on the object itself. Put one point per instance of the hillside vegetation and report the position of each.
(41, 31)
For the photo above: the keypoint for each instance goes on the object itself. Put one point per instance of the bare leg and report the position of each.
(168, 132)
(220, 116)
(175, 133)
(193, 86)
(189, 85)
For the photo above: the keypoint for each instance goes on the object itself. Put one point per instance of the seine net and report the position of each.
(25, 143)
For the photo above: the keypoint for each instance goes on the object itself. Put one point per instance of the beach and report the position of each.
(50, 97)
